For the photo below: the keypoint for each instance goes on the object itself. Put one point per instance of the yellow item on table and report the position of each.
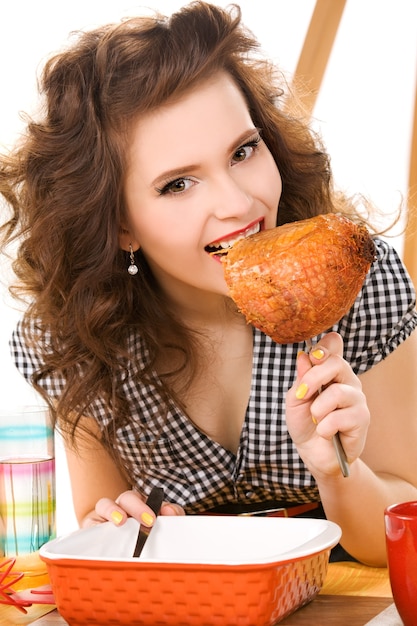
(355, 579)
(33, 568)
(34, 575)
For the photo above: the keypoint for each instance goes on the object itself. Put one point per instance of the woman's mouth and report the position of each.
(221, 246)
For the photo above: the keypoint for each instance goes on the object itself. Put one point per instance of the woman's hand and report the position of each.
(326, 398)
(129, 504)
(96, 482)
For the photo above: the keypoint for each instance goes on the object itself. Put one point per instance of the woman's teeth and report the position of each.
(228, 243)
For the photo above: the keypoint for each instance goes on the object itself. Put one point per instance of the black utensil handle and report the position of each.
(155, 499)
(154, 502)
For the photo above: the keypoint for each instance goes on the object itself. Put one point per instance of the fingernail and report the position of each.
(300, 352)
(318, 353)
(116, 517)
(313, 419)
(301, 391)
(147, 518)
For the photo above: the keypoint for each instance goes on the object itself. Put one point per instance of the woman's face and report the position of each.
(199, 174)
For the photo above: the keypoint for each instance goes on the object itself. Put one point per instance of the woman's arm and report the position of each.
(99, 490)
(381, 451)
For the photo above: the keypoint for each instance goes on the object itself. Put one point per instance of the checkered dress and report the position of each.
(199, 473)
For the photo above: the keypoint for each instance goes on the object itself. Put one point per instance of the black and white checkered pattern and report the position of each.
(200, 474)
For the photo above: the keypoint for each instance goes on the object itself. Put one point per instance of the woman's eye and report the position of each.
(176, 186)
(246, 151)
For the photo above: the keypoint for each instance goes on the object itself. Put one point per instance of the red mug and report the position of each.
(401, 539)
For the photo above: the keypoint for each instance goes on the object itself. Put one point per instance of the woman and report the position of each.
(161, 139)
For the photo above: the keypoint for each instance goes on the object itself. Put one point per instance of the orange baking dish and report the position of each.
(194, 571)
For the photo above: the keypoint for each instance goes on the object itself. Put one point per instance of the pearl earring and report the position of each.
(133, 268)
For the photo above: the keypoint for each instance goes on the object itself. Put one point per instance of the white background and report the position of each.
(364, 110)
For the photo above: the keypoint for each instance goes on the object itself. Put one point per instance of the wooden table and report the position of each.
(324, 610)
(339, 611)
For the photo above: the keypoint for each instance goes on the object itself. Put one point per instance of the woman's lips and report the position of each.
(222, 245)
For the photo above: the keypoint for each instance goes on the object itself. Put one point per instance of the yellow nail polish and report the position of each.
(116, 517)
(147, 518)
(318, 353)
(313, 419)
(299, 353)
(301, 391)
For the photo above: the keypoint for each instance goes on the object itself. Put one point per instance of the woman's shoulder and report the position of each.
(31, 346)
(384, 313)
(24, 346)
(388, 285)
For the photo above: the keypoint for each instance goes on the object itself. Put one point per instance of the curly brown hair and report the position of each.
(64, 183)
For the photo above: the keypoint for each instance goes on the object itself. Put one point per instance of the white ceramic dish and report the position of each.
(201, 539)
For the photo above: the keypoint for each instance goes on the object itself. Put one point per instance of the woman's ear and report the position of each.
(126, 241)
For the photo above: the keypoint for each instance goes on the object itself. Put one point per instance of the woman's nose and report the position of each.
(230, 198)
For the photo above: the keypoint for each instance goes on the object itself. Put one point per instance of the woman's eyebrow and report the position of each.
(177, 172)
(243, 137)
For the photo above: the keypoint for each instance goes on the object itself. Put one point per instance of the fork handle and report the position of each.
(340, 451)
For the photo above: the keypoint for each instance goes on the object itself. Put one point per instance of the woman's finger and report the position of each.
(131, 504)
